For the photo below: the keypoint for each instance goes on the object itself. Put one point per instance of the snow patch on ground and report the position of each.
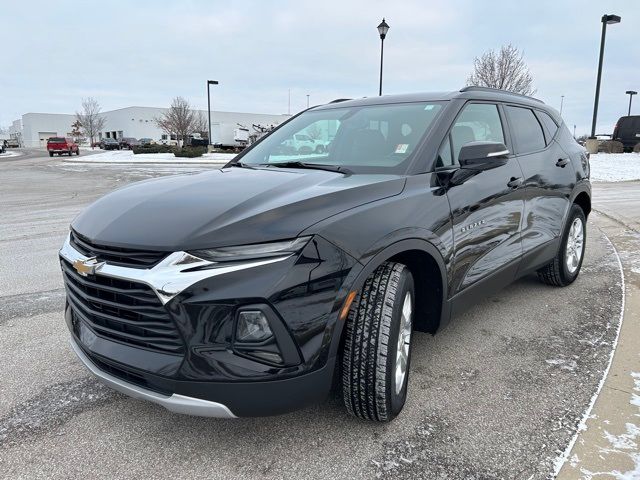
(127, 156)
(625, 443)
(10, 153)
(615, 167)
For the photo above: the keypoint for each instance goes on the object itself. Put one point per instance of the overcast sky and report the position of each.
(146, 52)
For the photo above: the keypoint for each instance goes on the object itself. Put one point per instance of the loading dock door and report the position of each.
(43, 136)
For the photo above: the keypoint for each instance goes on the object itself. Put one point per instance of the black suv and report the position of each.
(627, 132)
(250, 289)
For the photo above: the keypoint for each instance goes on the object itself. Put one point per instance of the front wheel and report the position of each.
(377, 349)
(565, 267)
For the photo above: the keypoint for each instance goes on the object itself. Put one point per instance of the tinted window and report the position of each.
(526, 130)
(549, 125)
(444, 155)
(477, 122)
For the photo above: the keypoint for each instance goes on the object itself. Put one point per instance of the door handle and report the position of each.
(514, 182)
(562, 162)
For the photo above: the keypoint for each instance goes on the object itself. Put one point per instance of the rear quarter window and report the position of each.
(525, 129)
(550, 126)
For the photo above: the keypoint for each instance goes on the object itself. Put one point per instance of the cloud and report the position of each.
(146, 52)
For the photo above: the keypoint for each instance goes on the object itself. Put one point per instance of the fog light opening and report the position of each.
(252, 326)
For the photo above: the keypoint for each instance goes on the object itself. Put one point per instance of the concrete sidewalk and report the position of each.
(607, 444)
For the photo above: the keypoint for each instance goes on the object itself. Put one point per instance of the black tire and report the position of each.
(557, 273)
(71, 152)
(371, 339)
(51, 154)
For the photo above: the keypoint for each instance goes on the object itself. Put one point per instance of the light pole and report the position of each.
(606, 20)
(307, 100)
(631, 93)
(210, 82)
(383, 28)
(561, 103)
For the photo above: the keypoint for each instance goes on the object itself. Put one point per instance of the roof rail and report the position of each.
(338, 100)
(474, 88)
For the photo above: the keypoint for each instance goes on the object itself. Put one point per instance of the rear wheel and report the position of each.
(565, 267)
(51, 154)
(70, 151)
(377, 350)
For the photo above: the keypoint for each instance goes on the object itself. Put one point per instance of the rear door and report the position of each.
(486, 209)
(549, 178)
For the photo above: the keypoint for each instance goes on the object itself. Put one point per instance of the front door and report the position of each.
(486, 208)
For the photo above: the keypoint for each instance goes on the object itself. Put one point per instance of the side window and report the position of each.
(444, 155)
(549, 125)
(526, 130)
(477, 122)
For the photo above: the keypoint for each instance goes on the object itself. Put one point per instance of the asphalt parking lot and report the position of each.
(497, 394)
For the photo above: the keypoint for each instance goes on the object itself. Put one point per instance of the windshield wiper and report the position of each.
(242, 165)
(310, 166)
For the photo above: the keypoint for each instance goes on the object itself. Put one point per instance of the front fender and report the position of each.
(378, 255)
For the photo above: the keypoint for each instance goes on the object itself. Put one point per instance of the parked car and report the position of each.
(128, 143)
(627, 131)
(3, 147)
(109, 144)
(13, 143)
(241, 291)
(196, 140)
(60, 145)
(146, 141)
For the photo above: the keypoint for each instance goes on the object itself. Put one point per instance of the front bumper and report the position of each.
(208, 374)
(174, 402)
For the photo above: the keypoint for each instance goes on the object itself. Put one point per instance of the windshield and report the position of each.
(363, 139)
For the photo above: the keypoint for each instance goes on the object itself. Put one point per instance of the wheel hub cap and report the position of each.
(575, 244)
(404, 340)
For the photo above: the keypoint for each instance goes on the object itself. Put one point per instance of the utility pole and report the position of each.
(289, 104)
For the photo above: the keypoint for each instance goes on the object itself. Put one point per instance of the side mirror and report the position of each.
(483, 155)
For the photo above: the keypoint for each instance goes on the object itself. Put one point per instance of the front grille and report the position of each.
(121, 310)
(125, 257)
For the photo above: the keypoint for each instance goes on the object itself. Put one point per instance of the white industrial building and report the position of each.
(136, 122)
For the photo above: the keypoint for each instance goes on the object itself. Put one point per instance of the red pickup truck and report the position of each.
(62, 145)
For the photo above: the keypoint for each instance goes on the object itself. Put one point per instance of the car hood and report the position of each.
(232, 206)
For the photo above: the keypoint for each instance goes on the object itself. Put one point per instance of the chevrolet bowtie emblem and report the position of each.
(88, 266)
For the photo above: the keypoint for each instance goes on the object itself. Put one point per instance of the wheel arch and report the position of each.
(583, 200)
(429, 273)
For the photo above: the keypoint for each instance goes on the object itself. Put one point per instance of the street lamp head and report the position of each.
(611, 19)
(212, 82)
(631, 92)
(383, 28)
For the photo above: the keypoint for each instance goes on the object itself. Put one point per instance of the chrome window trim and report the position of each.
(172, 275)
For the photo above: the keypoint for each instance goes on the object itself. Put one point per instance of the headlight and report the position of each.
(250, 252)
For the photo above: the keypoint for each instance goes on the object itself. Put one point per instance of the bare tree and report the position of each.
(504, 69)
(201, 125)
(90, 119)
(179, 120)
